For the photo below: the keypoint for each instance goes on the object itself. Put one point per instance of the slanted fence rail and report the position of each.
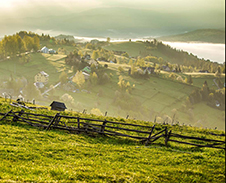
(145, 134)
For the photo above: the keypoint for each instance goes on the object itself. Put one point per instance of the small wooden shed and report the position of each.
(58, 106)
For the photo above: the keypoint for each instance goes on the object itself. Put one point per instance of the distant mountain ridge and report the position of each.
(116, 22)
(201, 35)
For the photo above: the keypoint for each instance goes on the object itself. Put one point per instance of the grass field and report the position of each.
(157, 96)
(135, 49)
(51, 64)
(30, 154)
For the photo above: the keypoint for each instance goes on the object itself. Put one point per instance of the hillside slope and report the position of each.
(30, 154)
(202, 35)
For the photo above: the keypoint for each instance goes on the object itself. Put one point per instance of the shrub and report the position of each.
(96, 111)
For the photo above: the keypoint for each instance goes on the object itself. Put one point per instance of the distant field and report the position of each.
(135, 49)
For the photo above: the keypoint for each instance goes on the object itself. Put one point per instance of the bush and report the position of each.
(120, 69)
(96, 111)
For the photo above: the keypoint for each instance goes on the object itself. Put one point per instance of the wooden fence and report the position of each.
(144, 134)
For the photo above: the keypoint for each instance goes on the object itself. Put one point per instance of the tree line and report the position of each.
(13, 45)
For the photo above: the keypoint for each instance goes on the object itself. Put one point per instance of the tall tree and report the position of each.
(29, 42)
(189, 80)
(79, 78)
(95, 54)
(63, 77)
(36, 42)
(20, 44)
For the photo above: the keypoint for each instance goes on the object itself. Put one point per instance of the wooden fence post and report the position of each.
(15, 118)
(103, 126)
(155, 119)
(51, 122)
(6, 114)
(167, 136)
(57, 120)
(149, 136)
(78, 122)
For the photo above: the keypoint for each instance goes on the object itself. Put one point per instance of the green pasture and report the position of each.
(30, 154)
(51, 64)
(157, 96)
(135, 49)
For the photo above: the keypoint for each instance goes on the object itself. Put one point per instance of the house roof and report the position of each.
(44, 48)
(58, 104)
(44, 73)
(87, 69)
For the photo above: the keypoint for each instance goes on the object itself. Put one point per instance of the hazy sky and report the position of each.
(14, 14)
(50, 6)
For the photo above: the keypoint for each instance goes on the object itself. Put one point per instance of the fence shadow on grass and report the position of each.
(95, 127)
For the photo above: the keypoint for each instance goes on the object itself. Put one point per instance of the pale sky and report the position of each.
(80, 5)
(14, 13)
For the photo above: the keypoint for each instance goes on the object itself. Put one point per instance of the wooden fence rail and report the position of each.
(105, 127)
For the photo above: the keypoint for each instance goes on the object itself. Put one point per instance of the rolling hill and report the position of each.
(202, 35)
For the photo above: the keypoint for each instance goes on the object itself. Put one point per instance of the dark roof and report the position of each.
(58, 104)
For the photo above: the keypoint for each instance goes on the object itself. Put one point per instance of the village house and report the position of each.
(44, 50)
(42, 77)
(86, 75)
(87, 69)
(150, 70)
(165, 68)
(58, 106)
(51, 51)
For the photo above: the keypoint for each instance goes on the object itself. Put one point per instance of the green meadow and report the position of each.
(157, 98)
(30, 154)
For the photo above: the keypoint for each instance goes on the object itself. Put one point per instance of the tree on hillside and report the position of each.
(205, 91)
(6, 45)
(218, 72)
(189, 80)
(95, 54)
(63, 77)
(108, 39)
(28, 42)
(125, 54)
(93, 78)
(20, 44)
(31, 92)
(36, 43)
(79, 78)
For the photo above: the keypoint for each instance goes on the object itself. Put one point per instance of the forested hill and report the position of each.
(201, 35)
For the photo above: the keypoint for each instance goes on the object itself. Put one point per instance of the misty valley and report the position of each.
(145, 80)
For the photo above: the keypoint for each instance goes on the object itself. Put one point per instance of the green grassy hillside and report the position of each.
(202, 35)
(154, 98)
(30, 154)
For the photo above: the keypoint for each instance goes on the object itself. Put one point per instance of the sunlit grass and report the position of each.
(30, 154)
